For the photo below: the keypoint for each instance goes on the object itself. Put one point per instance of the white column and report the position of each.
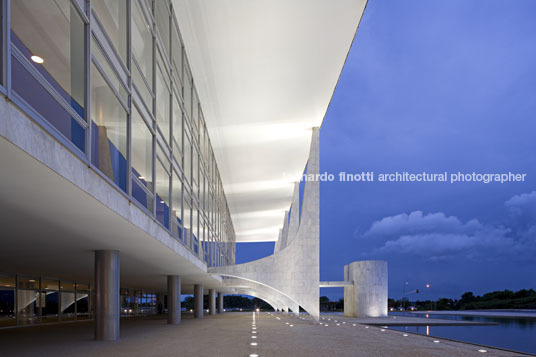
(174, 299)
(107, 295)
(220, 303)
(198, 301)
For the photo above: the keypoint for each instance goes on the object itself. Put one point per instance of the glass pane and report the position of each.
(177, 130)
(176, 46)
(187, 159)
(67, 286)
(109, 131)
(50, 285)
(142, 42)
(176, 205)
(187, 219)
(187, 94)
(50, 300)
(163, 97)
(113, 16)
(141, 87)
(162, 193)
(107, 68)
(142, 149)
(50, 34)
(162, 21)
(7, 301)
(142, 160)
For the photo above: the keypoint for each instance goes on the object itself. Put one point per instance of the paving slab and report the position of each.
(232, 334)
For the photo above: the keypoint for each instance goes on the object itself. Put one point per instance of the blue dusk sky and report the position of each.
(434, 86)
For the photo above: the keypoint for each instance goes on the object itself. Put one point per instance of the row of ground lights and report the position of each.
(382, 330)
(253, 335)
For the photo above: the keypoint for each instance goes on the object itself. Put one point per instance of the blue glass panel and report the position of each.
(48, 77)
(25, 85)
(139, 194)
(162, 211)
(117, 160)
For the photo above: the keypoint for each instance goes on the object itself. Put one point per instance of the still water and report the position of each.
(518, 334)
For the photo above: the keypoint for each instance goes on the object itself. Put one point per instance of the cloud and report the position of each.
(417, 223)
(439, 237)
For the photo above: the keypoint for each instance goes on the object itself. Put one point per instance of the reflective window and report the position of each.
(163, 98)
(142, 161)
(162, 190)
(48, 36)
(142, 51)
(162, 21)
(187, 92)
(187, 159)
(108, 71)
(187, 218)
(176, 47)
(50, 290)
(109, 131)
(28, 299)
(176, 205)
(113, 17)
(7, 301)
(82, 301)
(177, 130)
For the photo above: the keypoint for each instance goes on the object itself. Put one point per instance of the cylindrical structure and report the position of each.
(198, 301)
(220, 303)
(370, 288)
(107, 295)
(174, 299)
(212, 301)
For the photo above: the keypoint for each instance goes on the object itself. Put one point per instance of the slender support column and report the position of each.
(174, 299)
(107, 295)
(212, 301)
(198, 301)
(220, 303)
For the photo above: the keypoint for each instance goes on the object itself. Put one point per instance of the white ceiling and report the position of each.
(265, 72)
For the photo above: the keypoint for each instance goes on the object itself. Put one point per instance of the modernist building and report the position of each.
(141, 139)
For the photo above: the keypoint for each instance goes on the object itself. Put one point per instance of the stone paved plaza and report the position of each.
(231, 334)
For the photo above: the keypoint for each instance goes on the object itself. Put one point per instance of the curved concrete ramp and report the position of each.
(292, 272)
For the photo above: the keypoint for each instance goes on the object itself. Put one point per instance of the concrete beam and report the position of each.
(335, 284)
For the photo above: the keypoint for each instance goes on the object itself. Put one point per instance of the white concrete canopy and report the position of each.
(265, 72)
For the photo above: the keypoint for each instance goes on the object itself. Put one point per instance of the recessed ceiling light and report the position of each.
(37, 59)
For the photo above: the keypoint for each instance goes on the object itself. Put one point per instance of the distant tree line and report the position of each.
(505, 299)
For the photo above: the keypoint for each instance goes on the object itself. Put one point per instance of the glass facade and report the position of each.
(31, 300)
(110, 79)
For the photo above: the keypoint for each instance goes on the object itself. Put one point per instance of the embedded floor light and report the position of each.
(405, 335)
(253, 355)
(37, 59)
(253, 343)
(482, 351)
(436, 341)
